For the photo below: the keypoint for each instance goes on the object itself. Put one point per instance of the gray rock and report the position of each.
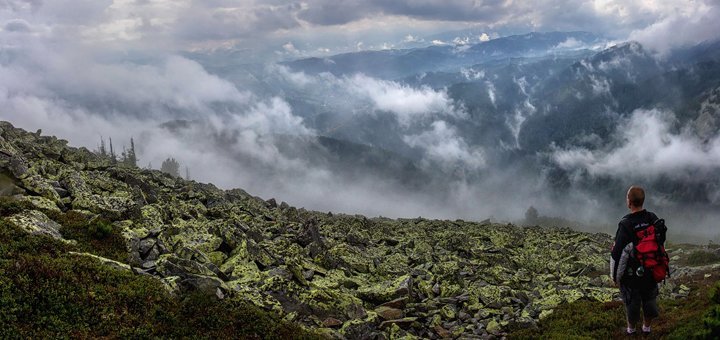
(145, 246)
(153, 254)
(281, 272)
(148, 265)
(36, 223)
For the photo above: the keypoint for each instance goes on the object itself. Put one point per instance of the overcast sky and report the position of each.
(295, 28)
(90, 69)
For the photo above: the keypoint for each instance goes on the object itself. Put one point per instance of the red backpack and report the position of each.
(650, 250)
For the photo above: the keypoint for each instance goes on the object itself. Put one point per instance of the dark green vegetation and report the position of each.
(93, 235)
(46, 292)
(695, 317)
(701, 257)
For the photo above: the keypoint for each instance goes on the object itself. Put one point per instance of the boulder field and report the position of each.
(345, 276)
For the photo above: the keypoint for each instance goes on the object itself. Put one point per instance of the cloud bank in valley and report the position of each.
(231, 136)
(84, 69)
(646, 146)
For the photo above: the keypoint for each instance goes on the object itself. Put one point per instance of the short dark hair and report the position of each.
(636, 196)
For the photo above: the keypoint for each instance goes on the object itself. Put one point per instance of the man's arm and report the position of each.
(622, 239)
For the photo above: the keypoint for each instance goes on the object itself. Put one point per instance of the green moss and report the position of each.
(45, 292)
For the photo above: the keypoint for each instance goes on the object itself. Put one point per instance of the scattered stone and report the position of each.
(403, 323)
(442, 332)
(332, 323)
(148, 265)
(271, 203)
(112, 263)
(493, 327)
(448, 312)
(389, 313)
(397, 303)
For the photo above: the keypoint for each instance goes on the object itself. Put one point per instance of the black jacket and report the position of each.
(622, 262)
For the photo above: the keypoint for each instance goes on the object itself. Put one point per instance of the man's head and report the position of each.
(635, 197)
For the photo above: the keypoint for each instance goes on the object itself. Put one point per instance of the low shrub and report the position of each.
(10, 206)
(94, 235)
(45, 292)
(581, 319)
(701, 258)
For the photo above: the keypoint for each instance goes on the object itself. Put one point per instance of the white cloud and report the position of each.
(686, 23)
(570, 43)
(444, 147)
(491, 91)
(406, 102)
(349, 93)
(600, 85)
(412, 39)
(646, 147)
(289, 47)
(461, 41)
(484, 37)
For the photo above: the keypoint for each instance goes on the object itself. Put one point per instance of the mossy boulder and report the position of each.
(36, 223)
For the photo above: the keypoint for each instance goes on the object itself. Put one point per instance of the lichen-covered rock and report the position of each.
(108, 262)
(35, 222)
(42, 203)
(346, 274)
(111, 206)
(386, 290)
(39, 185)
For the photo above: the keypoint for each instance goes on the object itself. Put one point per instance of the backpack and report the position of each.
(650, 250)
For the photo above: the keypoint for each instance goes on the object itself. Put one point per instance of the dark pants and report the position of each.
(635, 299)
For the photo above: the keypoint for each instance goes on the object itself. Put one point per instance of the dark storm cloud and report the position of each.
(202, 20)
(329, 12)
(17, 25)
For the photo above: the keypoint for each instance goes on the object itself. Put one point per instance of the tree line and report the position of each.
(128, 157)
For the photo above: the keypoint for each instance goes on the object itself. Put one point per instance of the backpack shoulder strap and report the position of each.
(660, 230)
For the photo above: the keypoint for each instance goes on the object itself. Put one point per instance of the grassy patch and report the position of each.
(581, 319)
(689, 318)
(700, 258)
(47, 293)
(94, 235)
(10, 206)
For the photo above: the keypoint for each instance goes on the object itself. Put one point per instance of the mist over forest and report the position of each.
(432, 117)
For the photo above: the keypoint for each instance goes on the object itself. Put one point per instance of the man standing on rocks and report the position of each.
(637, 289)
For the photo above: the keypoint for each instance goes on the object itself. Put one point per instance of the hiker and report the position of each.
(639, 261)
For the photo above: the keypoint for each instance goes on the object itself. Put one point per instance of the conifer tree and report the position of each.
(131, 155)
(113, 157)
(102, 150)
(171, 166)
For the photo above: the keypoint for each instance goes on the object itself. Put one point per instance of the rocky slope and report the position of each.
(345, 276)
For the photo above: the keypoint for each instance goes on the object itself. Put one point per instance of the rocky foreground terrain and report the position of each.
(340, 275)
